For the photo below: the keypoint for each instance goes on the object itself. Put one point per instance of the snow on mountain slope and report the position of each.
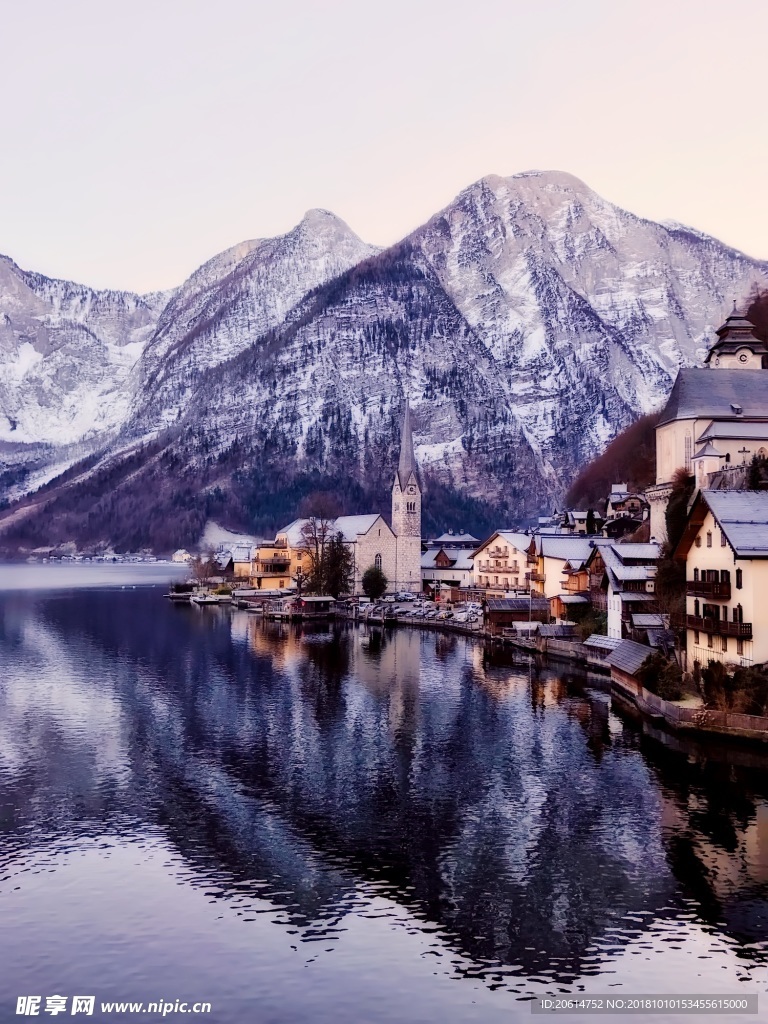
(234, 299)
(565, 287)
(529, 322)
(66, 352)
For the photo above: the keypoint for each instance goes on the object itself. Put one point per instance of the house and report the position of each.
(181, 555)
(548, 556)
(500, 562)
(271, 566)
(452, 567)
(242, 557)
(451, 541)
(725, 550)
(623, 502)
(623, 581)
(716, 415)
(626, 660)
(515, 612)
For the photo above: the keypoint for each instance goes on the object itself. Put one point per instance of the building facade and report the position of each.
(725, 549)
(718, 413)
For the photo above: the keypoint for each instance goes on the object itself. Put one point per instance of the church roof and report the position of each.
(712, 394)
(737, 430)
(407, 464)
(708, 450)
(350, 527)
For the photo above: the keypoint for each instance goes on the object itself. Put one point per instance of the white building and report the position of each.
(725, 548)
(717, 414)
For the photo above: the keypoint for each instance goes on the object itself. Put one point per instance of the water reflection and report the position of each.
(502, 805)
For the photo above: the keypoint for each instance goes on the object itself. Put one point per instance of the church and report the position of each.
(396, 550)
(716, 418)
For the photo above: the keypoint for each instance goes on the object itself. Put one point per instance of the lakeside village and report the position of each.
(679, 617)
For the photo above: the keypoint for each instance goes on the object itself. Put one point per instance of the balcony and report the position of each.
(708, 588)
(535, 577)
(742, 630)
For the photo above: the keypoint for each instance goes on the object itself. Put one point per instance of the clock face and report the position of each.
(743, 357)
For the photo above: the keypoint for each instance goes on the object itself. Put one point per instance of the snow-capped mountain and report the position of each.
(233, 300)
(528, 322)
(66, 352)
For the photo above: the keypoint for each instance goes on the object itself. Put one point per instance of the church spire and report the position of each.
(407, 464)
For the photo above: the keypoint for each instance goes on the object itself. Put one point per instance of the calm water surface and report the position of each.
(348, 825)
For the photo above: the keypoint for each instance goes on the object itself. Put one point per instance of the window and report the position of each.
(739, 646)
(696, 636)
(696, 607)
(688, 450)
(738, 613)
(725, 643)
(695, 575)
(723, 541)
(725, 576)
(377, 562)
(299, 554)
(698, 542)
(739, 579)
(709, 538)
(709, 640)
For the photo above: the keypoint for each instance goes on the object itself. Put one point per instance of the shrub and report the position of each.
(662, 676)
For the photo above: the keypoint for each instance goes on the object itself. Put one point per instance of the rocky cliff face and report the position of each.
(528, 322)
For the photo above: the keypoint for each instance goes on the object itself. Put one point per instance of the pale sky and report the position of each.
(138, 139)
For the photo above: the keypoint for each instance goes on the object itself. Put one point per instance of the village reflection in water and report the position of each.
(505, 807)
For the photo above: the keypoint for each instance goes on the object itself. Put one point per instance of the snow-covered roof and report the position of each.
(455, 538)
(351, 527)
(574, 598)
(649, 550)
(520, 541)
(743, 518)
(569, 549)
(241, 553)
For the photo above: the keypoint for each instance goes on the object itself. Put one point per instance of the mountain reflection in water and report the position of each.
(510, 812)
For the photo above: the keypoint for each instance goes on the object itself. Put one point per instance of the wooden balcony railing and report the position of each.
(705, 624)
(708, 588)
(535, 577)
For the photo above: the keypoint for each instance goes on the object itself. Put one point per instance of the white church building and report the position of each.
(396, 550)
(716, 417)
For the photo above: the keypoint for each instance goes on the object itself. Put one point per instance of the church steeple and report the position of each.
(406, 511)
(736, 346)
(407, 464)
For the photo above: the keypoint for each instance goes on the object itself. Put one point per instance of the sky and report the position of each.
(139, 139)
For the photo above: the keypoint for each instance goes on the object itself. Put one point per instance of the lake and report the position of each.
(341, 824)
